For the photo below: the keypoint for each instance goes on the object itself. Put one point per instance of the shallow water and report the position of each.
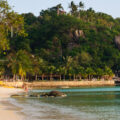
(80, 104)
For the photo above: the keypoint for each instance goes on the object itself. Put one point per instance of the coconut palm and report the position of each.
(80, 71)
(59, 6)
(38, 65)
(73, 8)
(108, 71)
(89, 72)
(51, 70)
(99, 72)
(68, 61)
(19, 63)
(81, 5)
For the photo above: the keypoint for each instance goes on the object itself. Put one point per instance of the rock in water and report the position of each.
(36, 95)
(54, 94)
(15, 95)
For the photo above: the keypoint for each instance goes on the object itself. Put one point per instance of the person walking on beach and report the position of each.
(25, 87)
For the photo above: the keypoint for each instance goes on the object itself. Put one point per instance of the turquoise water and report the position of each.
(80, 104)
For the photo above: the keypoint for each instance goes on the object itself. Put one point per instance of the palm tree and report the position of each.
(64, 70)
(59, 6)
(73, 8)
(19, 63)
(80, 71)
(67, 65)
(38, 64)
(51, 70)
(13, 64)
(81, 5)
(108, 71)
(99, 72)
(89, 72)
(21, 71)
(60, 71)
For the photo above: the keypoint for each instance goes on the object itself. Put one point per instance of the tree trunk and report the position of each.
(80, 77)
(64, 77)
(50, 77)
(88, 77)
(13, 77)
(21, 78)
(74, 77)
(60, 77)
(58, 12)
(11, 31)
(42, 77)
(36, 77)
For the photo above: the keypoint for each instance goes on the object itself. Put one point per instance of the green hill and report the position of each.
(79, 43)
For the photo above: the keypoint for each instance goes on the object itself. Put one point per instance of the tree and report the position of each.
(99, 72)
(38, 66)
(81, 5)
(86, 43)
(84, 58)
(90, 72)
(9, 22)
(108, 72)
(73, 8)
(59, 6)
(19, 63)
(51, 70)
(80, 71)
(68, 65)
(61, 71)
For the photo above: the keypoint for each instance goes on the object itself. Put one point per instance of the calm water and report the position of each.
(80, 104)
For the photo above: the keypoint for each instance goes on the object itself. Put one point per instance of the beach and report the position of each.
(5, 112)
(82, 103)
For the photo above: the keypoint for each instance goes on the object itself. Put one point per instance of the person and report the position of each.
(25, 87)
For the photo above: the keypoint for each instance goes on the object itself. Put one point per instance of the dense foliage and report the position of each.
(74, 45)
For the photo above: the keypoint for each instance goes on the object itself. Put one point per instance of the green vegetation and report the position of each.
(76, 45)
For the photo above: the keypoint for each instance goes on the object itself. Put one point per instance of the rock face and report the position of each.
(74, 36)
(54, 94)
(117, 41)
(79, 33)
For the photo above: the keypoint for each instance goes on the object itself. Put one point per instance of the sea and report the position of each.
(93, 103)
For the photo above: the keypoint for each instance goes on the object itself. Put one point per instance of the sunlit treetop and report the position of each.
(11, 24)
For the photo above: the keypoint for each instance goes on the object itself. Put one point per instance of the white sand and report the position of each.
(4, 113)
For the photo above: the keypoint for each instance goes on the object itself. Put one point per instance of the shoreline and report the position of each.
(7, 110)
(61, 84)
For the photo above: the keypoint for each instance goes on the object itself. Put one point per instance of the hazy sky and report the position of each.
(111, 7)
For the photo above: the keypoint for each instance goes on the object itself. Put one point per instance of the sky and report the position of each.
(111, 7)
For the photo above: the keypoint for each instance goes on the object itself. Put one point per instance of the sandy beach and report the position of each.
(5, 113)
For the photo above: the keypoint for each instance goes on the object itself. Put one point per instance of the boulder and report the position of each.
(19, 95)
(34, 95)
(37, 95)
(54, 94)
(15, 95)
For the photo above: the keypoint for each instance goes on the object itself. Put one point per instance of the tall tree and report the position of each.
(59, 6)
(10, 22)
(73, 8)
(81, 5)
(20, 63)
